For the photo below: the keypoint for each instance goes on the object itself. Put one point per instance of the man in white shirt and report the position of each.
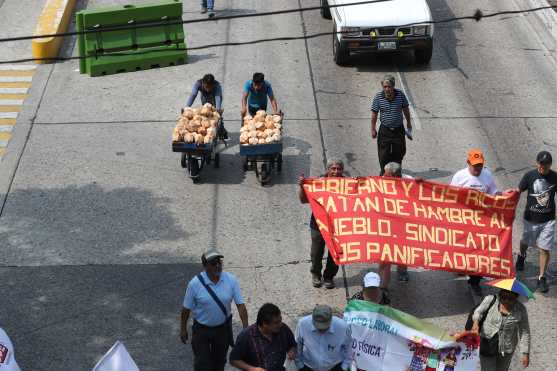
(324, 342)
(477, 177)
(7, 356)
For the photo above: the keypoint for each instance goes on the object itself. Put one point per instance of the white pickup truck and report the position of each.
(380, 27)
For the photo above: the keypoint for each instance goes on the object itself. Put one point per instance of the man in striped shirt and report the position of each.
(390, 104)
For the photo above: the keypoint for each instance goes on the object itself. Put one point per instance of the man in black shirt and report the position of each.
(539, 214)
(264, 345)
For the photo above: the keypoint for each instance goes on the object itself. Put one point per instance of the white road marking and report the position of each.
(15, 78)
(11, 102)
(8, 115)
(416, 123)
(14, 90)
(17, 67)
(3, 143)
(6, 128)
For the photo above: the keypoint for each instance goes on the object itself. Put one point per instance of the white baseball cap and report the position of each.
(372, 279)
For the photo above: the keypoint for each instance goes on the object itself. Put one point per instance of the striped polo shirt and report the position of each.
(390, 111)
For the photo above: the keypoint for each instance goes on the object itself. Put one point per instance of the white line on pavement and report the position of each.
(416, 123)
(14, 90)
(6, 128)
(3, 143)
(15, 78)
(17, 67)
(8, 115)
(11, 102)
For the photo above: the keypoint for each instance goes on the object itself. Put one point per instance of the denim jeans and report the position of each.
(208, 4)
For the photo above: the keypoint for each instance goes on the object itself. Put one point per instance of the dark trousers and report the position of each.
(317, 250)
(210, 347)
(336, 368)
(391, 146)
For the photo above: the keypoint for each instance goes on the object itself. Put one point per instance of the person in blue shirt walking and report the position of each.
(208, 6)
(211, 92)
(208, 297)
(324, 342)
(255, 95)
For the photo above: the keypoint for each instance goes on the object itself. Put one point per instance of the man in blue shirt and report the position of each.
(255, 95)
(324, 342)
(212, 328)
(390, 104)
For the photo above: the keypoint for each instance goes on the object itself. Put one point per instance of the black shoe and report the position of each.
(542, 284)
(329, 283)
(403, 276)
(211, 14)
(520, 262)
(476, 289)
(316, 281)
(385, 299)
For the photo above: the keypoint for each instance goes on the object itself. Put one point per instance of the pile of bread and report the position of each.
(261, 129)
(197, 125)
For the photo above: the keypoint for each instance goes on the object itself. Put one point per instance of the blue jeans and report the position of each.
(208, 4)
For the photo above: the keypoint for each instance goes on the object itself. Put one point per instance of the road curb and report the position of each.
(547, 16)
(55, 18)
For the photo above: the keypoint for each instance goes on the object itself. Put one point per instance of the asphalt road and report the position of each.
(101, 228)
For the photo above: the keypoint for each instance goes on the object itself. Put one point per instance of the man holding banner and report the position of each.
(475, 176)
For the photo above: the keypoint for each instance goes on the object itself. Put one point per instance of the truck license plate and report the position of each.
(387, 45)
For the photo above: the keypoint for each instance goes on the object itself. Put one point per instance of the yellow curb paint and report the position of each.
(9, 108)
(5, 136)
(7, 122)
(2, 151)
(12, 96)
(15, 84)
(17, 73)
(54, 18)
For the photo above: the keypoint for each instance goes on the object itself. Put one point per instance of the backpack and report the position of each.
(470, 321)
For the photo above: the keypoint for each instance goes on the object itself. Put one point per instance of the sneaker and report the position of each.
(329, 283)
(476, 290)
(211, 14)
(542, 284)
(316, 281)
(403, 276)
(520, 262)
(203, 10)
(385, 299)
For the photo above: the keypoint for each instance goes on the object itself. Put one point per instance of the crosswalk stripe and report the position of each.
(18, 85)
(9, 108)
(8, 115)
(6, 128)
(17, 67)
(11, 102)
(17, 73)
(2, 152)
(5, 136)
(12, 96)
(7, 121)
(3, 143)
(16, 78)
(15, 91)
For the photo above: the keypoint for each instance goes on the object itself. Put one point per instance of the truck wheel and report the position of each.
(340, 51)
(325, 10)
(423, 56)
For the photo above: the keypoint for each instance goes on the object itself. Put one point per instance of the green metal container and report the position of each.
(109, 52)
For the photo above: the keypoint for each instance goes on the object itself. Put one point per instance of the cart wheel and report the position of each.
(184, 160)
(245, 164)
(264, 174)
(279, 162)
(217, 160)
(193, 168)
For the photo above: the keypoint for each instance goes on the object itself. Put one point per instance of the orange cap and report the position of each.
(475, 157)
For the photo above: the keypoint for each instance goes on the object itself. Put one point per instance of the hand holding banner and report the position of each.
(421, 224)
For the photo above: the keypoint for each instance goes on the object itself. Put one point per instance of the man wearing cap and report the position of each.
(372, 289)
(390, 104)
(324, 341)
(478, 177)
(208, 297)
(539, 214)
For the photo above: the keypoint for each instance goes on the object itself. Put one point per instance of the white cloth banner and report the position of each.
(386, 339)
(116, 359)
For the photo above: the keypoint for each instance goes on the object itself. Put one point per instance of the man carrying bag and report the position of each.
(208, 297)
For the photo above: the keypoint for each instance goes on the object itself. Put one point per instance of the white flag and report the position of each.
(116, 359)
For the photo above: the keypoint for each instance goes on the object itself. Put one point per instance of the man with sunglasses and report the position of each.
(208, 297)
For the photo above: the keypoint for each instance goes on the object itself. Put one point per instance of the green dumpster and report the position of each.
(106, 52)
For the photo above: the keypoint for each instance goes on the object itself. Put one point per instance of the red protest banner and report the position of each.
(414, 223)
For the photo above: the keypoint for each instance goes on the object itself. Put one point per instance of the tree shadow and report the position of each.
(67, 317)
(83, 224)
